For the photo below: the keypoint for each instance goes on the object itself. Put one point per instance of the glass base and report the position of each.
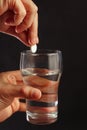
(41, 119)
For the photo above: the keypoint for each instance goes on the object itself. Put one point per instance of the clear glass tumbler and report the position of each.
(42, 70)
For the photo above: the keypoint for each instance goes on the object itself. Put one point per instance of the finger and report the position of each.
(3, 6)
(18, 106)
(19, 13)
(20, 36)
(31, 10)
(43, 84)
(15, 78)
(21, 91)
(33, 32)
(15, 74)
(12, 75)
(10, 30)
(30, 93)
(22, 107)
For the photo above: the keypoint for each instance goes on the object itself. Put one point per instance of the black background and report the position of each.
(62, 26)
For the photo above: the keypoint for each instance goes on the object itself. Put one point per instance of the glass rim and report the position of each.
(41, 52)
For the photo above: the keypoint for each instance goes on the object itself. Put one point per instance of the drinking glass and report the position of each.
(42, 70)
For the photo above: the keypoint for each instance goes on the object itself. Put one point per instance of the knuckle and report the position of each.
(22, 90)
(24, 93)
(25, 24)
(19, 17)
(23, 13)
(34, 9)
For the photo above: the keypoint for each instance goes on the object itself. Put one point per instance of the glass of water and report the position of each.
(42, 70)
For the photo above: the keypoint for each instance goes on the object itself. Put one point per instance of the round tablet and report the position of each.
(34, 48)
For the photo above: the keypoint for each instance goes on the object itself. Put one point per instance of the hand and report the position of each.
(19, 18)
(11, 90)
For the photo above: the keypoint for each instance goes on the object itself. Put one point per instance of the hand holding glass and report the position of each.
(42, 70)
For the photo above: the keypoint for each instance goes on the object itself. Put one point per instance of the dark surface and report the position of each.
(63, 26)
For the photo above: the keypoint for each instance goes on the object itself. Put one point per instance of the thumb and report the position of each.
(21, 91)
(29, 92)
(18, 89)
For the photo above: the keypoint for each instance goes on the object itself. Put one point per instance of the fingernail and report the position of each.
(33, 41)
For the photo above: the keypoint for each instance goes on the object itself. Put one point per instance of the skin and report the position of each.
(12, 89)
(19, 18)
